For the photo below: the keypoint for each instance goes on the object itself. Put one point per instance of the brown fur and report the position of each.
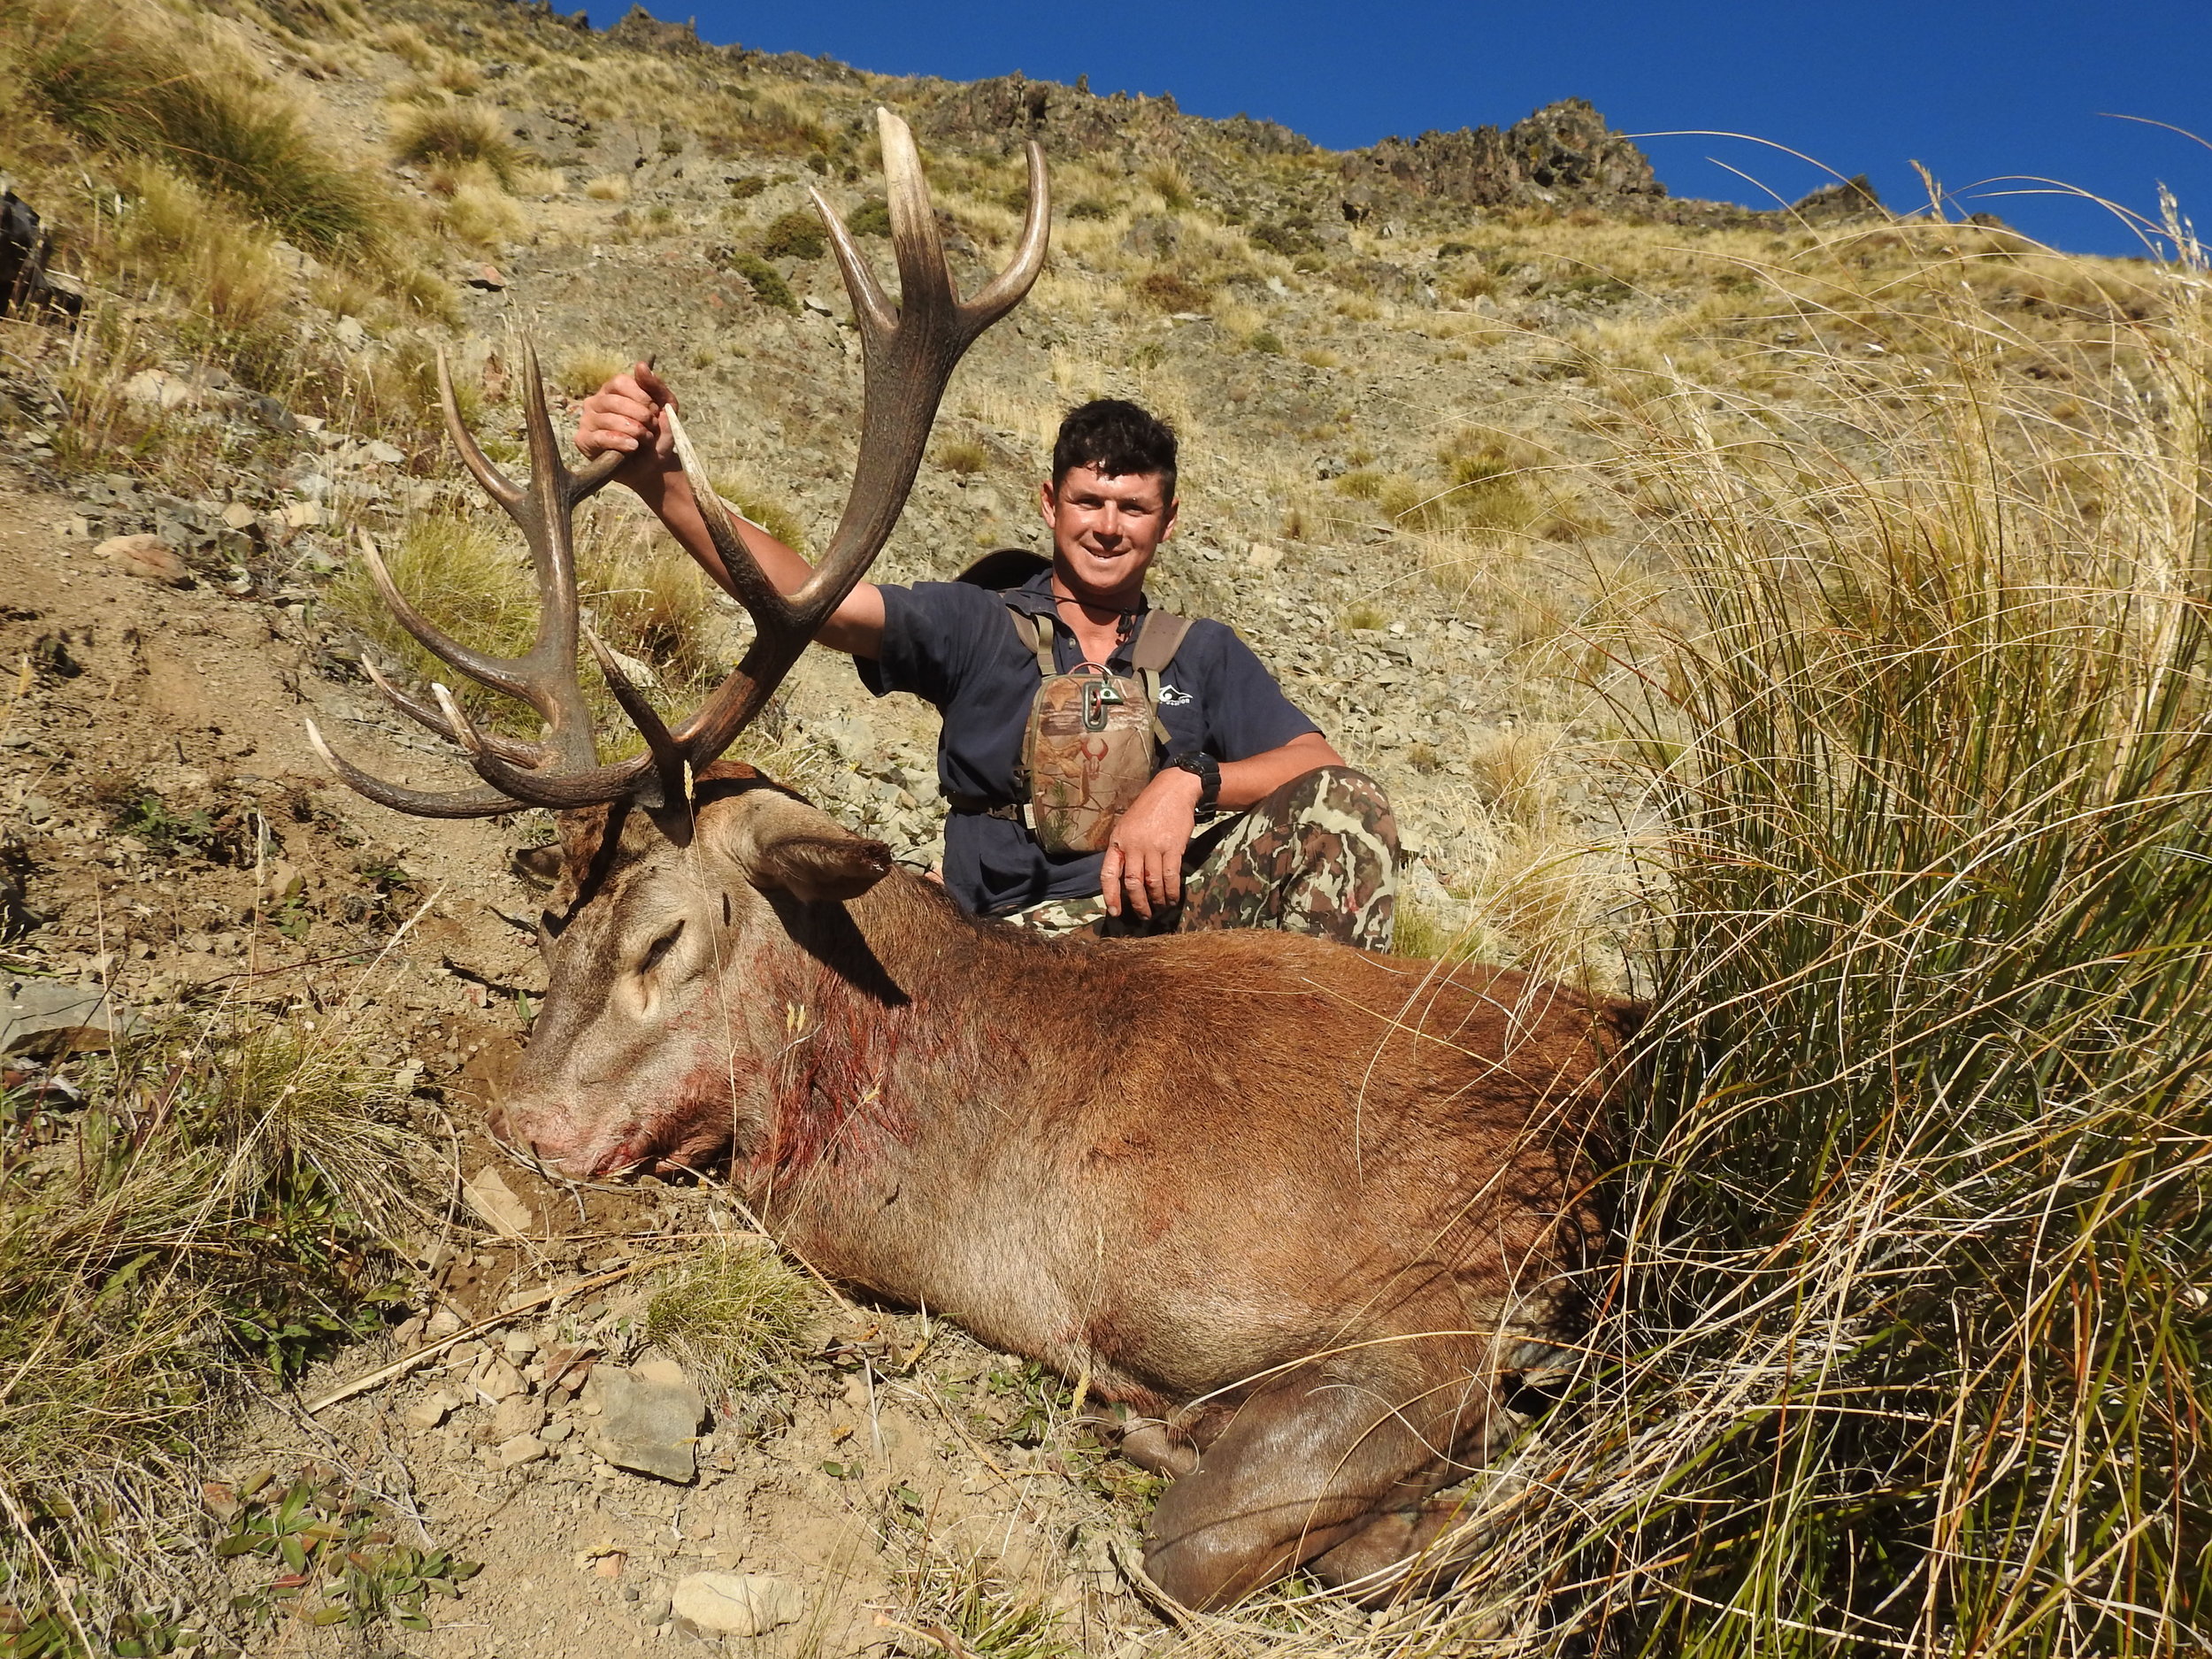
(1305, 1204)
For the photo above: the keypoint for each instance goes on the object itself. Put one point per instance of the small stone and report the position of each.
(486, 277)
(523, 1448)
(737, 1603)
(553, 1433)
(429, 1412)
(1263, 557)
(305, 515)
(648, 1422)
(281, 883)
(384, 454)
(238, 515)
(820, 307)
(444, 1322)
(49, 1019)
(490, 1197)
(351, 333)
(655, 1609)
(146, 556)
(158, 388)
(501, 1381)
(517, 1415)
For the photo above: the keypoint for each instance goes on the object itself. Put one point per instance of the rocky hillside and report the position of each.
(1413, 384)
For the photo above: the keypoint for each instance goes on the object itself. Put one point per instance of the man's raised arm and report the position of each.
(625, 414)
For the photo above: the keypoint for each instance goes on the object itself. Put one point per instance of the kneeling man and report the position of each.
(1108, 767)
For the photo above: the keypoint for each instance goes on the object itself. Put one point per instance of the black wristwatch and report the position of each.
(1207, 769)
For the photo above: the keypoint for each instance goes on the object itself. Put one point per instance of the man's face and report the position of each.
(1105, 529)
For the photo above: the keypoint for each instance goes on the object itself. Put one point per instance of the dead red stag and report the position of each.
(1301, 1210)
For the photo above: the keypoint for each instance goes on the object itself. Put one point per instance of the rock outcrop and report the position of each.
(1563, 153)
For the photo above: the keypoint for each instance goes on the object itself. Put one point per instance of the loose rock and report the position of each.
(737, 1603)
(517, 1415)
(648, 1421)
(431, 1410)
(146, 556)
(491, 1197)
(50, 1020)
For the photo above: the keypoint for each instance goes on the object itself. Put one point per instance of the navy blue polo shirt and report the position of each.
(953, 644)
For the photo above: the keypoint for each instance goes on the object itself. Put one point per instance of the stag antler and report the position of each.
(910, 351)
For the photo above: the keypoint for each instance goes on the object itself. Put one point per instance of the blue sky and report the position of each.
(1974, 89)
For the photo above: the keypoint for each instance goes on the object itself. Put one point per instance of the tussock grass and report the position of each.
(133, 79)
(738, 1312)
(585, 369)
(213, 1210)
(1907, 1336)
(458, 135)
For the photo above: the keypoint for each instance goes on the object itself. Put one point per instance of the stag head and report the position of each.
(676, 875)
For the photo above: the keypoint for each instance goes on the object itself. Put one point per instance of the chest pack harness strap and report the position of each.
(1159, 637)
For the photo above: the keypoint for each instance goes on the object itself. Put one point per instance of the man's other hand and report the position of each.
(625, 415)
(1143, 865)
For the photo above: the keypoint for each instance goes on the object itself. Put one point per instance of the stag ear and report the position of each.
(539, 866)
(784, 846)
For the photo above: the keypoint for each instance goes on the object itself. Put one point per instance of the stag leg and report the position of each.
(1310, 1465)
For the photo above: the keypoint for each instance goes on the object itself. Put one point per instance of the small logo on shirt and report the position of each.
(1173, 697)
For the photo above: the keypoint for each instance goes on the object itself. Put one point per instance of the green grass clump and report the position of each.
(871, 217)
(738, 1311)
(130, 77)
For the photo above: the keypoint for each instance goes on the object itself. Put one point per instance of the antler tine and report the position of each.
(747, 584)
(911, 353)
(496, 484)
(415, 802)
(1011, 285)
(496, 672)
(668, 758)
(422, 714)
(907, 365)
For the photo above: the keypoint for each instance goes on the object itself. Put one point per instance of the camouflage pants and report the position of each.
(1318, 856)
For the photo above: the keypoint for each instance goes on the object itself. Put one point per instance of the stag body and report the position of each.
(1180, 1167)
(1300, 1207)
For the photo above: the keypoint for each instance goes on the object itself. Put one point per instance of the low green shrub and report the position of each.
(766, 282)
(797, 234)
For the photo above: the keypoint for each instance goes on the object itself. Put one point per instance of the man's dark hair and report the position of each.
(1117, 437)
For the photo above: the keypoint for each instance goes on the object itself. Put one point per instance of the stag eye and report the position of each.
(660, 947)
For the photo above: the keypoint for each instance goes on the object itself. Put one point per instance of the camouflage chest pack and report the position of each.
(1093, 738)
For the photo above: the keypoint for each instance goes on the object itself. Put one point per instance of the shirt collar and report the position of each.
(1035, 598)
